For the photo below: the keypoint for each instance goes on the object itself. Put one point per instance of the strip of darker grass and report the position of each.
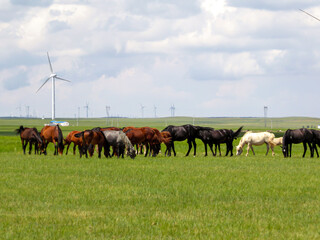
(179, 198)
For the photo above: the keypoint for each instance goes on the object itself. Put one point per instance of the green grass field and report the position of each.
(65, 197)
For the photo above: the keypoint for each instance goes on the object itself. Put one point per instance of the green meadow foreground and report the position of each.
(65, 197)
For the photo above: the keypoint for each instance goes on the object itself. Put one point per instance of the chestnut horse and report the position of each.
(90, 138)
(52, 134)
(145, 135)
(76, 142)
(31, 136)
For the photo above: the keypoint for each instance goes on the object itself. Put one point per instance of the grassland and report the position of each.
(65, 197)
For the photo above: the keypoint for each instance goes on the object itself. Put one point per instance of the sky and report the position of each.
(207, 58)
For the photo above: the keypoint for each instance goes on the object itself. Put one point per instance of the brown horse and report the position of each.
(135, 136)
(31, 136)
(90, 138)
(148, 136)
(76, 142)
(167, 136)
(52, 134)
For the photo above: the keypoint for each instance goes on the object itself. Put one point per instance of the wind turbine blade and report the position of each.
(43, 84)
(309, 14)
(62, 79)
(49, 62)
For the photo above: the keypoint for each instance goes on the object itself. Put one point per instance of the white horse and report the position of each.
(258, 139)
(276, 141)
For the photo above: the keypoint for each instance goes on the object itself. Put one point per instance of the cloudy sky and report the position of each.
(206, 57)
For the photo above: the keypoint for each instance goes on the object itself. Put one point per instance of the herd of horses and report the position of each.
(132, 140)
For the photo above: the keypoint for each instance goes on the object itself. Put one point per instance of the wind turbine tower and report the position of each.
(172, 109)
(53, 76)
(265, 108)
(87, 109)
(142, 110)
(107, 111)
(155, 111)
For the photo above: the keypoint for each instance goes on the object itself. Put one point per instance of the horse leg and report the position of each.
(147, 149)
(24, 145)
(290, 146)
(248, 148)
(210, 146)
(219, 149)
(195, 147)
(30, 147)
(205, 149)
(173, 149)
(267, 149)
(99, 150)
(251, 146)
(272, 149)
(311, 150)
(315, 148)
(190, 146)
(304, 149)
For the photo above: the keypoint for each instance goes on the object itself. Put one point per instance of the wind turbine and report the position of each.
(53, 76)
(309, 14)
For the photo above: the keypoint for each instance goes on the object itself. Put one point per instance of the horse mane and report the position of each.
(204, 128)
(96, 129)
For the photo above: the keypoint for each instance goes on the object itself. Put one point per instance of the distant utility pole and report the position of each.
(172, 109)
(265, 108)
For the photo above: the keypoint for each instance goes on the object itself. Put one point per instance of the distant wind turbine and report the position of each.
(53, 76)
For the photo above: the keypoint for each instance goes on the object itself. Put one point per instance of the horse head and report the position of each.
(239, 150)
(131, 153)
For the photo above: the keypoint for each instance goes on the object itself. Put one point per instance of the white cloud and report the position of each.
(206, 57)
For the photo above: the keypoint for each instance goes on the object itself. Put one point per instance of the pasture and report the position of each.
(65, 197)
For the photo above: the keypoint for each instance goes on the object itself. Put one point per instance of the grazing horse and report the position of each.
(295, 136)
(52, 134)
(210, 136)
(76, 142)
(155, 144)
(135, 135)
(181, 133)
(120, 142)
(90, 138)
(167, 136)
(258, 139)
(276, 141)
(228, 135)
(30, 135)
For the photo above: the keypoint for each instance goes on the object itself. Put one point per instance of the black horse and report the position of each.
(295, 136)
(181, 133)
(210, 136)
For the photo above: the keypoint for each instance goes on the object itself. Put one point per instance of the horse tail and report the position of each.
(37, 135)
(161, 138)
(60, 138)
(20, 130)
(236, 133)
